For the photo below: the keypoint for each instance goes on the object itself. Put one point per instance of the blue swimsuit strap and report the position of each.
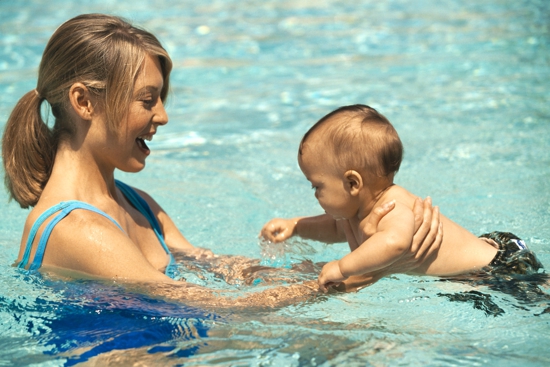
(64, 208)
(141, 205)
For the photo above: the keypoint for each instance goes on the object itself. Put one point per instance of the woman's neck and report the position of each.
(77, 176)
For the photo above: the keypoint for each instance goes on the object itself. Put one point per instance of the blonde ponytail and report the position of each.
(28, 151)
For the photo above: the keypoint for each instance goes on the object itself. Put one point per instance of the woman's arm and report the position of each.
(87, 245)
(172, 234)
(100, 250)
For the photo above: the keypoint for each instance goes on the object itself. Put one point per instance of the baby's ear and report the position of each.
(354, 182)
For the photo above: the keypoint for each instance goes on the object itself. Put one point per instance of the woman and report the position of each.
(106, 82)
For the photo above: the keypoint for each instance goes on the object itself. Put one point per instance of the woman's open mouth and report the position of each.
(140, 140)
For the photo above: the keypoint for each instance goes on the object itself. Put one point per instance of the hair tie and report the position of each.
(38, 95)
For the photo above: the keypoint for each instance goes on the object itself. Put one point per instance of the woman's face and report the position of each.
(128, 147)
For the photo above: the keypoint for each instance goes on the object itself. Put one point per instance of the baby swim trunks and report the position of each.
(513, 255)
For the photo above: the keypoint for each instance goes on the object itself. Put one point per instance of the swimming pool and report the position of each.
(466, 85)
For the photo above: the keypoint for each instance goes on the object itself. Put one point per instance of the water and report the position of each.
(466, 85)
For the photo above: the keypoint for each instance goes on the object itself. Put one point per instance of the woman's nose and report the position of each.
(160, 117)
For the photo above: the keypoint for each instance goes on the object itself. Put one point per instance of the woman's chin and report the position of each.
(134, 167)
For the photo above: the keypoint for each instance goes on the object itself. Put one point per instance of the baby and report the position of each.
(350, 157)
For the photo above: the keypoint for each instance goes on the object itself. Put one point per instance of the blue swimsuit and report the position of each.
(64, 208)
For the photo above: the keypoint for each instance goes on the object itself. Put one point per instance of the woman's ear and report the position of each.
(81, 101)
(354, 182)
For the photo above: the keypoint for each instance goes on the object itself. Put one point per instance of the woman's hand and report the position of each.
(428, 233)
(376, 215)
(199, 253)
(278, 229)
(426, 242)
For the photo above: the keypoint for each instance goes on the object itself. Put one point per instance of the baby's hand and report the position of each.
(330, 276)
(278, 229)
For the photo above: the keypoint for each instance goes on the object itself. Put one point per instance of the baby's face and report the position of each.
(330, 186)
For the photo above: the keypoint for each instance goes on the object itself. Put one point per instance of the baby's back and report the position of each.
(460, 252)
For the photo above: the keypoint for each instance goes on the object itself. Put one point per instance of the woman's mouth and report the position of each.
(140, 140)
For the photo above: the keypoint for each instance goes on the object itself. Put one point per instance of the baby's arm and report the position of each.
(387, 245)
(321, 228)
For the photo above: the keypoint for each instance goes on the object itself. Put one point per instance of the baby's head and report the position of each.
(354, 137)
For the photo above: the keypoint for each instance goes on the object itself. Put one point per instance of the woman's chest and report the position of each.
(141, 233)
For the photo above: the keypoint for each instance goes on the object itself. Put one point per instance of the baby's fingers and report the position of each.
(272, 233)
(325, 287)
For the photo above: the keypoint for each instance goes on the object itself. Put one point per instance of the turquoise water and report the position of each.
(466, 85)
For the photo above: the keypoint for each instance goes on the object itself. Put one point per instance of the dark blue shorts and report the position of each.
(513, 255)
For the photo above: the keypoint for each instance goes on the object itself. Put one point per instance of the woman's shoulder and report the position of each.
(41, 211)
(172, 235)
(59, 232)
(47, 211)
(134, 191)
(90, 243)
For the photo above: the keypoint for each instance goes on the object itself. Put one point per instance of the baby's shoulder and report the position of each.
(400, 195)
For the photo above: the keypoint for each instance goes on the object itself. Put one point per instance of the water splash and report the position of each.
(286, 253)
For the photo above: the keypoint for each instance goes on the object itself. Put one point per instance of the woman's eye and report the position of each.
(148, 103)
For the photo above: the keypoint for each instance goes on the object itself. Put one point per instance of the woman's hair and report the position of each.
(105, 53)
(358, 137)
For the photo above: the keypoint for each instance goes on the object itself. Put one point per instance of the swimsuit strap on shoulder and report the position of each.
(141, 205)
(32, 234)
(64, 208)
